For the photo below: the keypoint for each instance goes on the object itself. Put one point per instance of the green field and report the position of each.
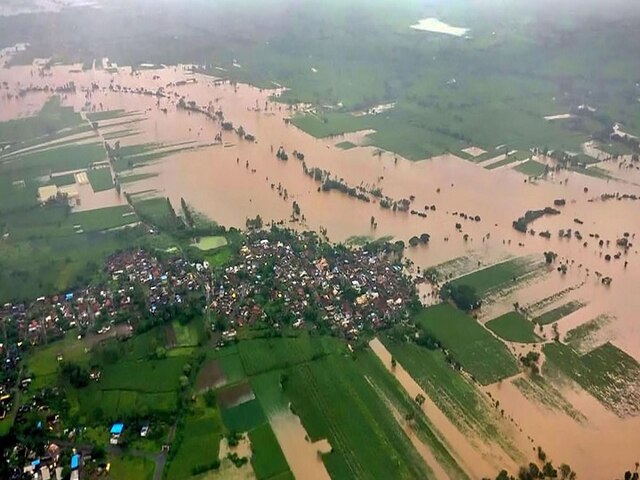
(486, 358)
(502, 276)
(126, 467)
(104, 218)
(267, 458)
(336, 402)
(243, 417)
(513, 327)
(558, 313)
(210, 243)
(531, 168)
(100, 179)
(198, 442)
(607, 373)
(42, 363)
(461, 401)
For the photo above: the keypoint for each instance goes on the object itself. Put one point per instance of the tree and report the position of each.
(420, 399)
(464, 296)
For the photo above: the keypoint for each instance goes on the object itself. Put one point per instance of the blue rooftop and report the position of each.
(35, 463)
(117, 428)
(75, 462)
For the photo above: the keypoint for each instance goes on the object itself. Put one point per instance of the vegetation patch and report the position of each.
(558, 313)
(587, 336)
(127, 467)
(346, 145)
(100, 179)
(210, 243)
(486, 358)
(513, 327)
(531, 168)
(501, 276)
(608, 373)
(267, 458)
(243, 417)
(335, 401)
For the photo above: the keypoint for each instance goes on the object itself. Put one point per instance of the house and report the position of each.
(75, 462)
(116, 431)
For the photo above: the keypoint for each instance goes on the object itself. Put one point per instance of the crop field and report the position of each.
(131, 468)
(186, 335)
(531, 168)
(42, 363)
(513, 327)
(502, 276)
(244, 417)
(198, 442)
(607, 373)
(104, 218)
(135, 177)
(267, 458)
(53, 160)
(211, 243)
(460, 400)
(336, 402)
(587, 336)
(100, 179)
(107, 115)
(539, 390)
(486, 358)
(558, 313)
(261, 355)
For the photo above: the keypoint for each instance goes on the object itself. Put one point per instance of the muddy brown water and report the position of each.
(216, 181)
(304, 458)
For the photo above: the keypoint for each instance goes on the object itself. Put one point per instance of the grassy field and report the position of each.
(210, 243)
(198, 442)
(261, 355)
(502, 276)
(100, 179)
(531, 168)
(267, 458)
(486, 358)
(460, 400)
(513, 327)
(104, 218)
(42, 363)
(558, 313)
(335, 401)
(124, 467)
(244, 417)
(608, 373)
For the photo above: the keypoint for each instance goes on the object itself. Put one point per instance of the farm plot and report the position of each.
(264, 354)
(210, 243)
(531, 168)
(486, 358)
(103, 218)
(502, 276)
(590, 334)
(198, 443)
(513, 327)
(100, 179)
(267, 458)
(539, 390)
(558, 313)
(336, 402)
(607, 373)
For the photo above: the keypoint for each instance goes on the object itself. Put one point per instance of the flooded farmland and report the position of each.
(234, 179)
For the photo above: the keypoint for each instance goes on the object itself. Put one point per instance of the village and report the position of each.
(345, 290)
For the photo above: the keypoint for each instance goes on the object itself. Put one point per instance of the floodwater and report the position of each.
(438, 26)
(232, 181)
(302, 456)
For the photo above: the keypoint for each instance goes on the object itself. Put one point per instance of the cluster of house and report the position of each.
(161, 284)
(351, 289)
